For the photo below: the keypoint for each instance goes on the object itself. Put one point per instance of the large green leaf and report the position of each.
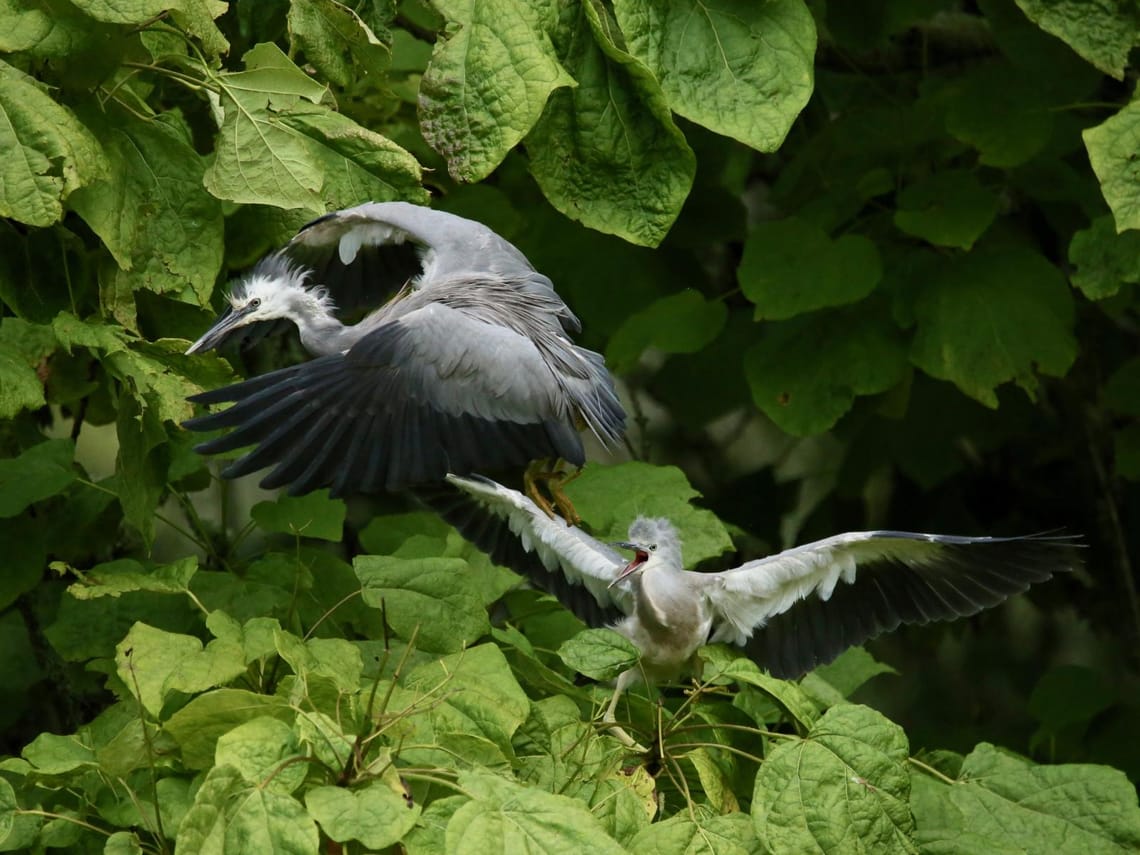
(44, 470)
(152, 212)
(48, 154)
(995, 315)
(434, 600)
(946, 209)
(273, 149)
(153, 663)
(1112, 147)
(313, 515)
(699, 833)
(843, 788)
(1005, 803)
(614, 130)
(378, 814)
(1104, 259)
(197, 727)
(609, 498)
(1103, 33)
(487, 82)
(600, 654)
(791, 266)
(806, 373)
(336, 40)
(23, 346)
(477, 705)
(258, 750)
(742, 70)
(680, 323)
(506, 817)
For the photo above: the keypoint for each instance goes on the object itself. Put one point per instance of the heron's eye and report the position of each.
(255, 302)
(653, 547)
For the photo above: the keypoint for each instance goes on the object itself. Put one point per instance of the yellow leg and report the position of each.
(533, 474)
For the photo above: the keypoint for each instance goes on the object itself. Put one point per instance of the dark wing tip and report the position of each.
(967, 577)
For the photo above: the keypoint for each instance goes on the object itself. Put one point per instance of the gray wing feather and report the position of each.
(814, 601)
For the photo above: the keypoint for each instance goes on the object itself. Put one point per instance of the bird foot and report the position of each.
(555, 479)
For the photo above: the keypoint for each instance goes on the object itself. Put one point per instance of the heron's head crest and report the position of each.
(277, 283)
(656, 533)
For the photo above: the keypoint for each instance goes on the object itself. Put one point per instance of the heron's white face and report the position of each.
(654, 542)
(269, 293)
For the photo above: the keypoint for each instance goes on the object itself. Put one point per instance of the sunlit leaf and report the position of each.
(1103, 33)
(336, 40)
(744, 71)
(600, 654)
(844, 787)
(487, 82)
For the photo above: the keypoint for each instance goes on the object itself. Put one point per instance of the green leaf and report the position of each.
(611, 497)
(723, 664)
(152, 212)
(115, 578)
(475, 696)
(1001, 111)
(1102, 33)
(336, 659)
(153, 663)
(142, 463)
(1103, 259)
(378, 814)
(506, 817)
(273, 149)
(123, 843)
(336, 41)
(257, 749)
(48, 153)
(1004, 803)
(681, 323)
(55, 754)
(230, 816)
(614, 130)
(487, 83)
(8, 808)
(20, 386)
(995, 315)
(1112, 147)
(946, 209)
(427, 838)
(44, 470)
(433, 598)
(198, 725)
(806, 373)
(837, 680)
(600, 654)
(122, 11)
(742, 70)
(313, 515)
(791, 266)
(698, 833)
(842, 788)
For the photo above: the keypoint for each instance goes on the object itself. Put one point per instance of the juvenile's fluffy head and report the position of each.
(655, 534)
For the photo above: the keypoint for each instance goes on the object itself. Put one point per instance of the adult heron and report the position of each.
(791, 611)
(468, 366)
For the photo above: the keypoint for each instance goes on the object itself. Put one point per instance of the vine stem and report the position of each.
(930, 770)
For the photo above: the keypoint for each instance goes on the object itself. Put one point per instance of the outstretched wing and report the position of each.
(560, 559)
(805, 606)
(432, 392)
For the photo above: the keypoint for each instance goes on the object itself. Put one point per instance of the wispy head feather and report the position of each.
(280, 280)
(655, 532)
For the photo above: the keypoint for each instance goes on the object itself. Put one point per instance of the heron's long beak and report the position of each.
(227, 322)
(640, 556)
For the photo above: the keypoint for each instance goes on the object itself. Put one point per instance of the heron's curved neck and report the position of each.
(322, 335)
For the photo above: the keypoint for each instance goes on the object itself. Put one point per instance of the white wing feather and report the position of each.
(582, 559)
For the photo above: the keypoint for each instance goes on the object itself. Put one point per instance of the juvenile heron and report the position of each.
(469, 366)
(791, 611)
